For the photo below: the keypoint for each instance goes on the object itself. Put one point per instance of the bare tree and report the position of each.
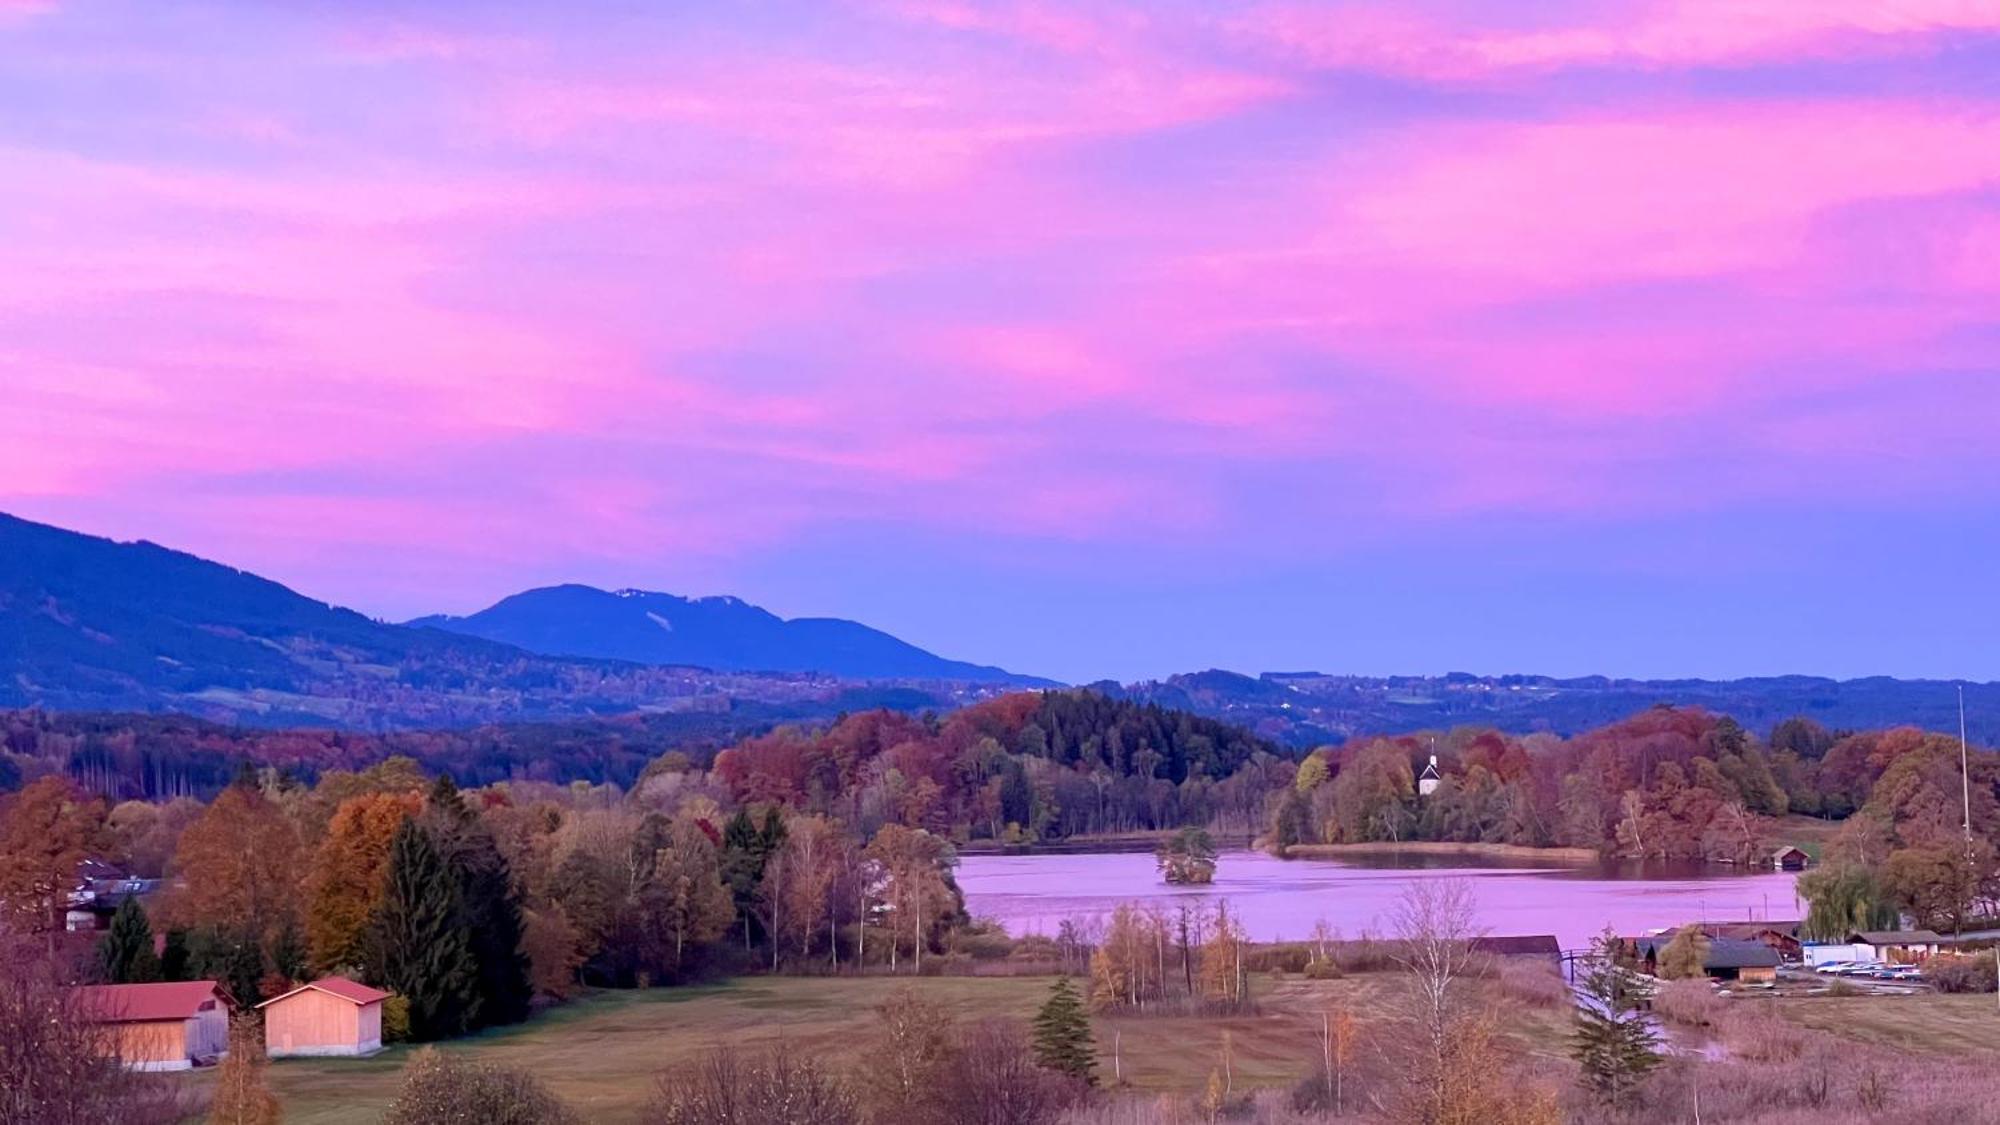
(57, 1066)
(1434, 922)
(991, 1078)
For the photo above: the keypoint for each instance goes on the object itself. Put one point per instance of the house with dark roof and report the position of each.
(1531, 947)
(1726, 959)
(1901, 947)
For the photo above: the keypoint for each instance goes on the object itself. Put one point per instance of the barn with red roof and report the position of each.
(165, 1026)
(329, 1016)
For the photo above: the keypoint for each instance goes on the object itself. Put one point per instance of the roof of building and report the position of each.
(353, 992)
(1895, 937)
(1748, 931)
(1788, 849)
(141, 1003)
(1518, 945)
(1730, 953)
(1430, 770)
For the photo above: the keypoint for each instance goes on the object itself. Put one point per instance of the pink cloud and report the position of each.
(1675, 33)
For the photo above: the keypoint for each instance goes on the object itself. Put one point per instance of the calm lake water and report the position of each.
(1280, 900)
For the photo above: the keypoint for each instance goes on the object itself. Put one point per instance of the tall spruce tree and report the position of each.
(746, 848)
(1062, 1034)
(126, 951)
(420, 946)
(1615, 1045)
(489, 908)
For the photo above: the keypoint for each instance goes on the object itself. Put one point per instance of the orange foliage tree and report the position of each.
(345, 884)
(238, 867)
(46, 830)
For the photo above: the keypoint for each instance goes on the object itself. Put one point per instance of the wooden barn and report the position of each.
(169, 1026)
(1789, 858)
(1528, 947)
(330, 1016)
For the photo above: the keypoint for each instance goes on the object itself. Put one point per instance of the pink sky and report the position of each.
(1037, 332)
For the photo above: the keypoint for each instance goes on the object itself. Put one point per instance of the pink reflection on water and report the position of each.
(1280, 900)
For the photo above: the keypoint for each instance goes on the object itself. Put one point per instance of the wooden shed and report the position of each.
(168, 1026)
(1790, 858)
(330, 1016)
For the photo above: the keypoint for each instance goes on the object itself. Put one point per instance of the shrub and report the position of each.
(779, 1088)
(1690, 1002)
(1036, 947)
(1532, 983)
(1323, 970)
(1952, 973)
(438, 1087)
(396, 1019)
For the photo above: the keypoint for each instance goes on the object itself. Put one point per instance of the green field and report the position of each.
(1925, 1022)
(601, 1053)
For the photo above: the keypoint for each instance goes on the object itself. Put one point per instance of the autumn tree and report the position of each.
(684, 895)
(1126, 970)
(1373, 793)
(1223, 978)
(1434, 931)
(241, 1095)
(344, 886)
(46, 830)
(1939, 884)
(417, 941)
(1842, 898)
(801, 883)
(236, 868)
(913, 1038)
(1685, 956)
(917, 887)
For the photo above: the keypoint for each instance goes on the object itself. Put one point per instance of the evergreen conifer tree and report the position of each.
(420, 948)
(126, 951)
(489, 910)
(1615, 1043)
(174, 956)
(1062, 1034)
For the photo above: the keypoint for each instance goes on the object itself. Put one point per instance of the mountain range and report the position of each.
(87, 623)
(1312, 708)
(723, 633)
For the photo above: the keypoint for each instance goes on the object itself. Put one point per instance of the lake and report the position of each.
(1279, 900)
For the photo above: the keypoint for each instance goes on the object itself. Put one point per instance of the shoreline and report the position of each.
(1440, 848)
(1108, 843)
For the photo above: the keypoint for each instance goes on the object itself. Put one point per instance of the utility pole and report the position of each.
(1964, 770)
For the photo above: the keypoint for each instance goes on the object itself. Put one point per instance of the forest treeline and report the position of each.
(1677, 783)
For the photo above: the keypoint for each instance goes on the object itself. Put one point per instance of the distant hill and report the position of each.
(1309, 708)
(723, 633)
(87, 623)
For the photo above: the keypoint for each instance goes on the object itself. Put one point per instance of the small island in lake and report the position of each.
(1187, 856)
